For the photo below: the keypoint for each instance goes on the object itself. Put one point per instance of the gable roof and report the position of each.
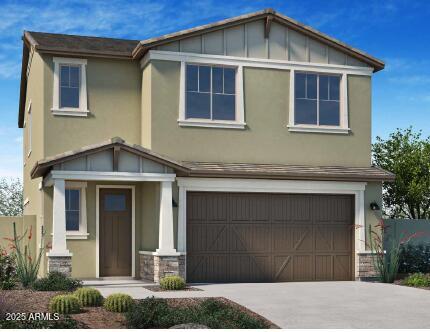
(270, 15)
(74, 45)
(42, 167)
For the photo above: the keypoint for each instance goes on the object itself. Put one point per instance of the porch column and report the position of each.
(59, 247)
(166, 245)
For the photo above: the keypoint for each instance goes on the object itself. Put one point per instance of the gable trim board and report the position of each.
(270, 16)
(253, 62)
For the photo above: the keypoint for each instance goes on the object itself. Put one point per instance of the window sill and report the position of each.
(70, 112)
(77, 236)
(212, 124)
(318, 129)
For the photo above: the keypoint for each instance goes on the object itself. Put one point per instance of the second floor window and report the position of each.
(317, 99)
(210, 92)
(69, 86)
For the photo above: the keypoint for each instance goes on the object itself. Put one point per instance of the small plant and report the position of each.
(172, 283)
(7, 270)
(89, 297)
(417, 280)
(26, 266)
(56, 281)
(386, 260)
(65, 304)
(118, 302)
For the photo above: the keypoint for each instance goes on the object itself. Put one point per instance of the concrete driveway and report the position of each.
(346, 304)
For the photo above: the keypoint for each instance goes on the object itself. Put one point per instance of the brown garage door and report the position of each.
(246, 237)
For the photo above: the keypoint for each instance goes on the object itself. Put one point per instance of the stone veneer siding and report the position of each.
(60, 264)
(366, 269)
(153, 267)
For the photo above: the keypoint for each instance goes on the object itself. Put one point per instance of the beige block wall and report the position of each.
(266, 138)
(24, 225)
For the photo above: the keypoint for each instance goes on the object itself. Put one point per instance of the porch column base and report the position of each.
(366, 268)
(61, 264)
(154, 266)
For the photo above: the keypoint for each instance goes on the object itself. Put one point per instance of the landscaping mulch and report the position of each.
(99, 318)
(27, 300)
(157, 288)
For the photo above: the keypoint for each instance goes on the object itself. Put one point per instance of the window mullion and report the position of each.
(210, 92)
(318, 100)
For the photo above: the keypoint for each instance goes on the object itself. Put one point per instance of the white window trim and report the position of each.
(239, 123)
(343, 128)
(82, 233)
(29, 129)
(82, 110)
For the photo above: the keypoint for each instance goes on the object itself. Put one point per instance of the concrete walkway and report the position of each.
(313, 304)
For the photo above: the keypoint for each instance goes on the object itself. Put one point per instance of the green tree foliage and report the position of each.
(11, 197)
(407, 155)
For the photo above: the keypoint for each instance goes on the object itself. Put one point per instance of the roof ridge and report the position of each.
(80, 36)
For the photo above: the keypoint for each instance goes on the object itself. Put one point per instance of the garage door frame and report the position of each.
(273, 186)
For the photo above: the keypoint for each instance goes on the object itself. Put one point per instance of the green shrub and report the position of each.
(417, 280)
(150, 313)
(64, 304)
(156, 313)
(89, 297)
(118, 302)
(7, 270)
(56, 281)
(415, 258)
(172, 283)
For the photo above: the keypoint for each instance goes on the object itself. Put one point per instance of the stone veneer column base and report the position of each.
(154, 267)
(61, 264)
(366, 268)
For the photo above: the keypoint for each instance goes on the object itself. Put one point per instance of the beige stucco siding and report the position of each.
(114, 95)
(266, 138)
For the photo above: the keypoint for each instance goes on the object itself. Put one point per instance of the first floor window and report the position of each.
(73, 209)
(210, 92)
(316, 99)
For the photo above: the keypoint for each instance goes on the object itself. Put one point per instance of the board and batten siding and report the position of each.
(248, 40)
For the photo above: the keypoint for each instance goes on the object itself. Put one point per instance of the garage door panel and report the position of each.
(251, 238)
(249, 208)
(342, 267)
(291, 238)
(291, 208)
(269, 237)
(324, 267)
(196, 208)
(249, 268)
(217, 208)
(283, 268)
(331, 209)
(303, 268)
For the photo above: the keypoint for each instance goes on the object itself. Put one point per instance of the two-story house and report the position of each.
(238, 151)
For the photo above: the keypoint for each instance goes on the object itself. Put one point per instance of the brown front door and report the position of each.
(115, 232)
(247, 237)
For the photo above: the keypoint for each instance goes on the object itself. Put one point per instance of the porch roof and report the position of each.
(43, 166)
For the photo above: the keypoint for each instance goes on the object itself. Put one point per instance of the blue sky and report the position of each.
(397, 32)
